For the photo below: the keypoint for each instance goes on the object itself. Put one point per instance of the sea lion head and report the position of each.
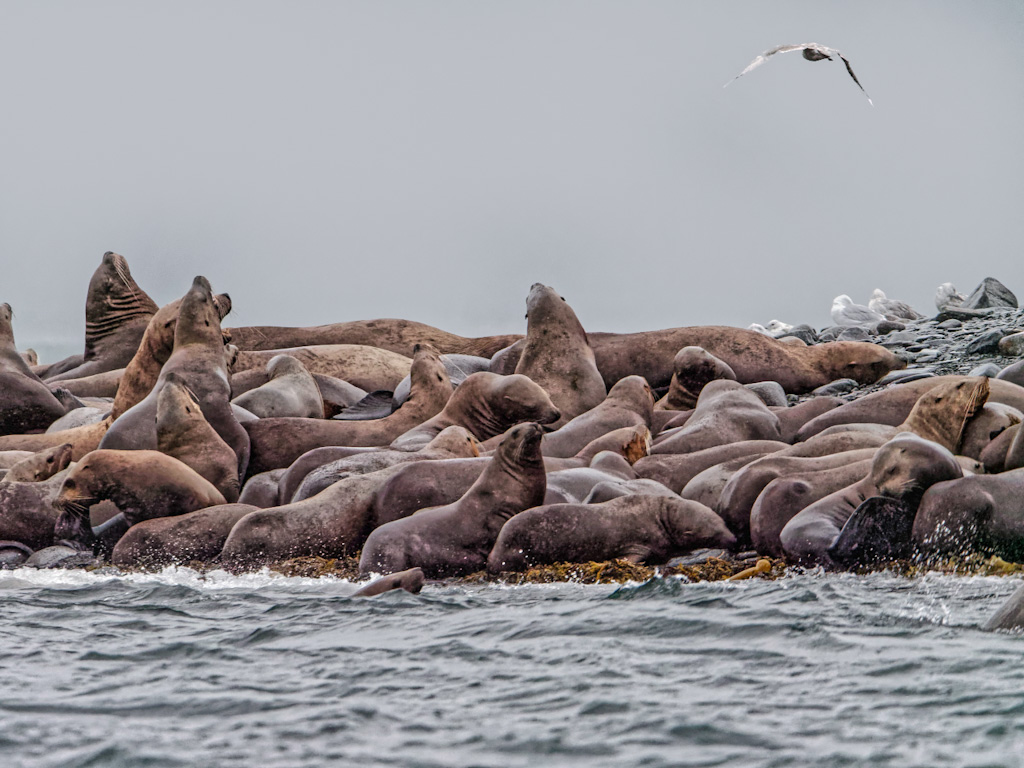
(522, 399)
(199, 316)
(40, 466)
(544, 303)
(693, 367)
(634, 393)
(86, 484)
(520, 445)
(456, 440)
(858, 360)
(427, 370)
(908, 465)
(693, 526)
(941, 414)
(279, 365)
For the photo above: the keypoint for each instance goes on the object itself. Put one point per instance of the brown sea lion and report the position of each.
(455, 539)
(290, 391)
(726, 412)
(557, 356)
(198, 359)
(675, 470)
(410, 580)
(262, 490)
(184, 433)
(641, 529)
(784, 497)
(40, 466)
(451, 443)
(706, 487)
(486, 404)
(368, 368)
(692, 368)
(903, 468)
(27, 514)
(142, 484)
(180, 539)
(630, 403)
(26, 403)
(976, 513)
(399, 336)
(279, 442)
(791, 419)
(117, 312)
(97, 385)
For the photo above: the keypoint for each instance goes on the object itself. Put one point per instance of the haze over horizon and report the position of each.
(325, 162)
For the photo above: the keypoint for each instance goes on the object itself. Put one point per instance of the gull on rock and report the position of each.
(948, 296)
(812, 52)
(845, 312)
(891, 308)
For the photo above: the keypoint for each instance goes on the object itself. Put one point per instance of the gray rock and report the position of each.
(987, 343)
(959, 313)
(900, 338)
(837, 387)
(770, 392)
(887, 326)
(854, 333)
(908, 374)
(951, 324)
(989, 370)
(51, 557)
(928, 356)
(13, 554)
(1013, 373)
(803, 332)
(1012, 345)
(991, 293)
(699, 556)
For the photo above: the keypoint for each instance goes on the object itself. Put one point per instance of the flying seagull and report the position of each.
(812, 52)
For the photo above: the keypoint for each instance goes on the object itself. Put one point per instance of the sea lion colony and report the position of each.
(173, 440)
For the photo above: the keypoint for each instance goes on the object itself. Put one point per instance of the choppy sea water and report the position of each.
(180, 669)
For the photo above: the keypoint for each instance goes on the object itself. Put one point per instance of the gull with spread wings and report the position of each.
(812, 52)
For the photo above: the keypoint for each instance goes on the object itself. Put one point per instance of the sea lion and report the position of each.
(262, 490)
(27, 514)
(743, 488)
(451, 443)
(278, 442)
(79, 417)
(410, 580)
(368, 368)
(893, 404)
(180, 539)
(726, 412)
(615, 489)
(399, 336)
(877, 532)
(184, 433)
(576, 484)
(630, 403)
(198, 360)
(1010, 615)
(96, 385)
(290, 391)
(692, 368)
(903, 468)
(459, 367)
(486, 404)
(990, 421)
(783, 498)
(117, 312)
(974, 513)
(142, 484)
(26, 403)
(556, 355)
(641, 529)
(706, 486)
(455, 539)
(40, 466)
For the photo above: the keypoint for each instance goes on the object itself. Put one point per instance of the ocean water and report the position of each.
(182, 669)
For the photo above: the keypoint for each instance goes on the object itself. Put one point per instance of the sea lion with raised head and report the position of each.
(455, 539)
(279, 442)
(641, 529)
(557, 356)
(692, 368)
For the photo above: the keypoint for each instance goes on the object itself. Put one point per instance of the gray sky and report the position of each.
(431, 160)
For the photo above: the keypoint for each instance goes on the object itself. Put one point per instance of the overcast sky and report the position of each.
(431, 160)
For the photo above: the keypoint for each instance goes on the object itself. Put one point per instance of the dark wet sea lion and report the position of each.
(26, 404)
(184, 433)
(117, 312)
(487, 405)
(290, 390)
(877, 532)
(903, 468)
(142, 484)
(180, 539)
(27, 514)
(279, 442)
(692, 368)
(641, 529)
(410, 580)
(455, 539)
(198, 360)
(783, 498)
(398, 336)
(368, 368)
(557, 356)
(976, 513)
(262, 490)
(726, 412)
(630, 403)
